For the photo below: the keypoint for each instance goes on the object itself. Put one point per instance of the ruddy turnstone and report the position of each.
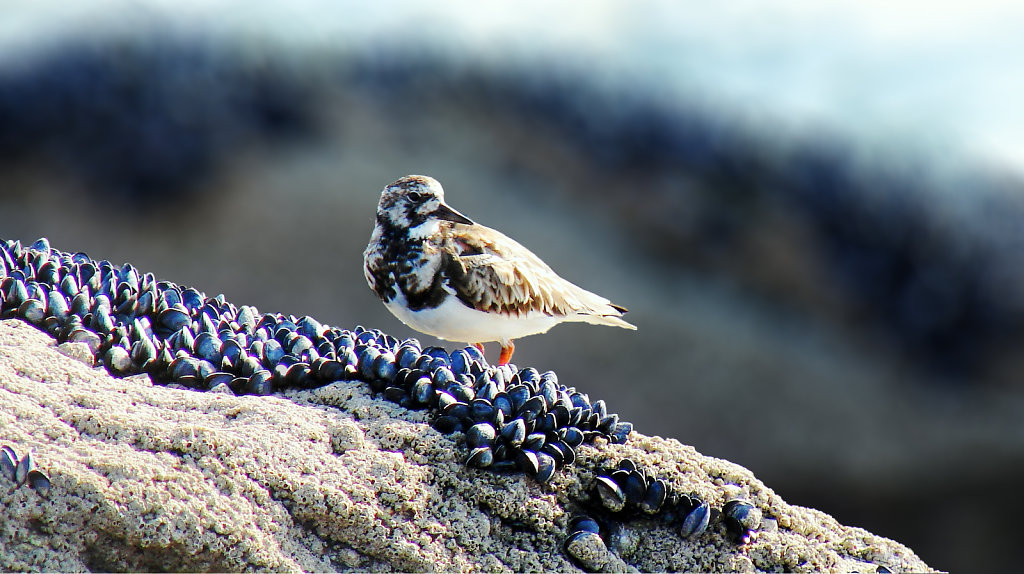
(445, 276)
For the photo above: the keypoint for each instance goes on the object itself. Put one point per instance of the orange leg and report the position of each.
(506, 353)
(479, 347)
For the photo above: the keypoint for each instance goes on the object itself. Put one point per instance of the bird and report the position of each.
(442, 274)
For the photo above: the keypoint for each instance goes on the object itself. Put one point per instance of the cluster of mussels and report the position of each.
(512, 419)
(22, 471)
(628, 492)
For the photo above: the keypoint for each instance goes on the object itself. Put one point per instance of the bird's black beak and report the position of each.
(448, 214)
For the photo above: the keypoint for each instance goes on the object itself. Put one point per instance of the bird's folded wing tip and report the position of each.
(618, 321)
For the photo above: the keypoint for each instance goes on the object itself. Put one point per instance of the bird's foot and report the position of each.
(506, 353)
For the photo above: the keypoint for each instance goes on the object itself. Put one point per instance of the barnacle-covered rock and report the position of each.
(517, 419)
(146, 476)
(587, 550)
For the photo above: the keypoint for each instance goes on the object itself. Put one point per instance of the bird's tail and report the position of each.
(597, 310)
(610, 320)
(607, 314)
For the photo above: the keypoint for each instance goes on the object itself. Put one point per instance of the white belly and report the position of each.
(454, 321)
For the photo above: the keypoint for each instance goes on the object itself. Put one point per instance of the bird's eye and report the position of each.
(415, 197)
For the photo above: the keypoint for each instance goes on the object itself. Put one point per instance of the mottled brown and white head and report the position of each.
(413, 201)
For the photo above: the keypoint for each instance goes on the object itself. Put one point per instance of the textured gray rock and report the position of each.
(151, 477)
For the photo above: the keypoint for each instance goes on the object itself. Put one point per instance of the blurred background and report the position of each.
(812, 210)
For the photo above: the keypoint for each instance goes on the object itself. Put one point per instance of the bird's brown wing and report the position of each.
(494, 273)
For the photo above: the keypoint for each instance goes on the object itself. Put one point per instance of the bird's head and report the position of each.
(414, 200)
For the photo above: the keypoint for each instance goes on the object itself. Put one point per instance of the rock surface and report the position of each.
(149, 477)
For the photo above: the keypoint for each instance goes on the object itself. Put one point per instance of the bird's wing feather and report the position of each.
(495, 273)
